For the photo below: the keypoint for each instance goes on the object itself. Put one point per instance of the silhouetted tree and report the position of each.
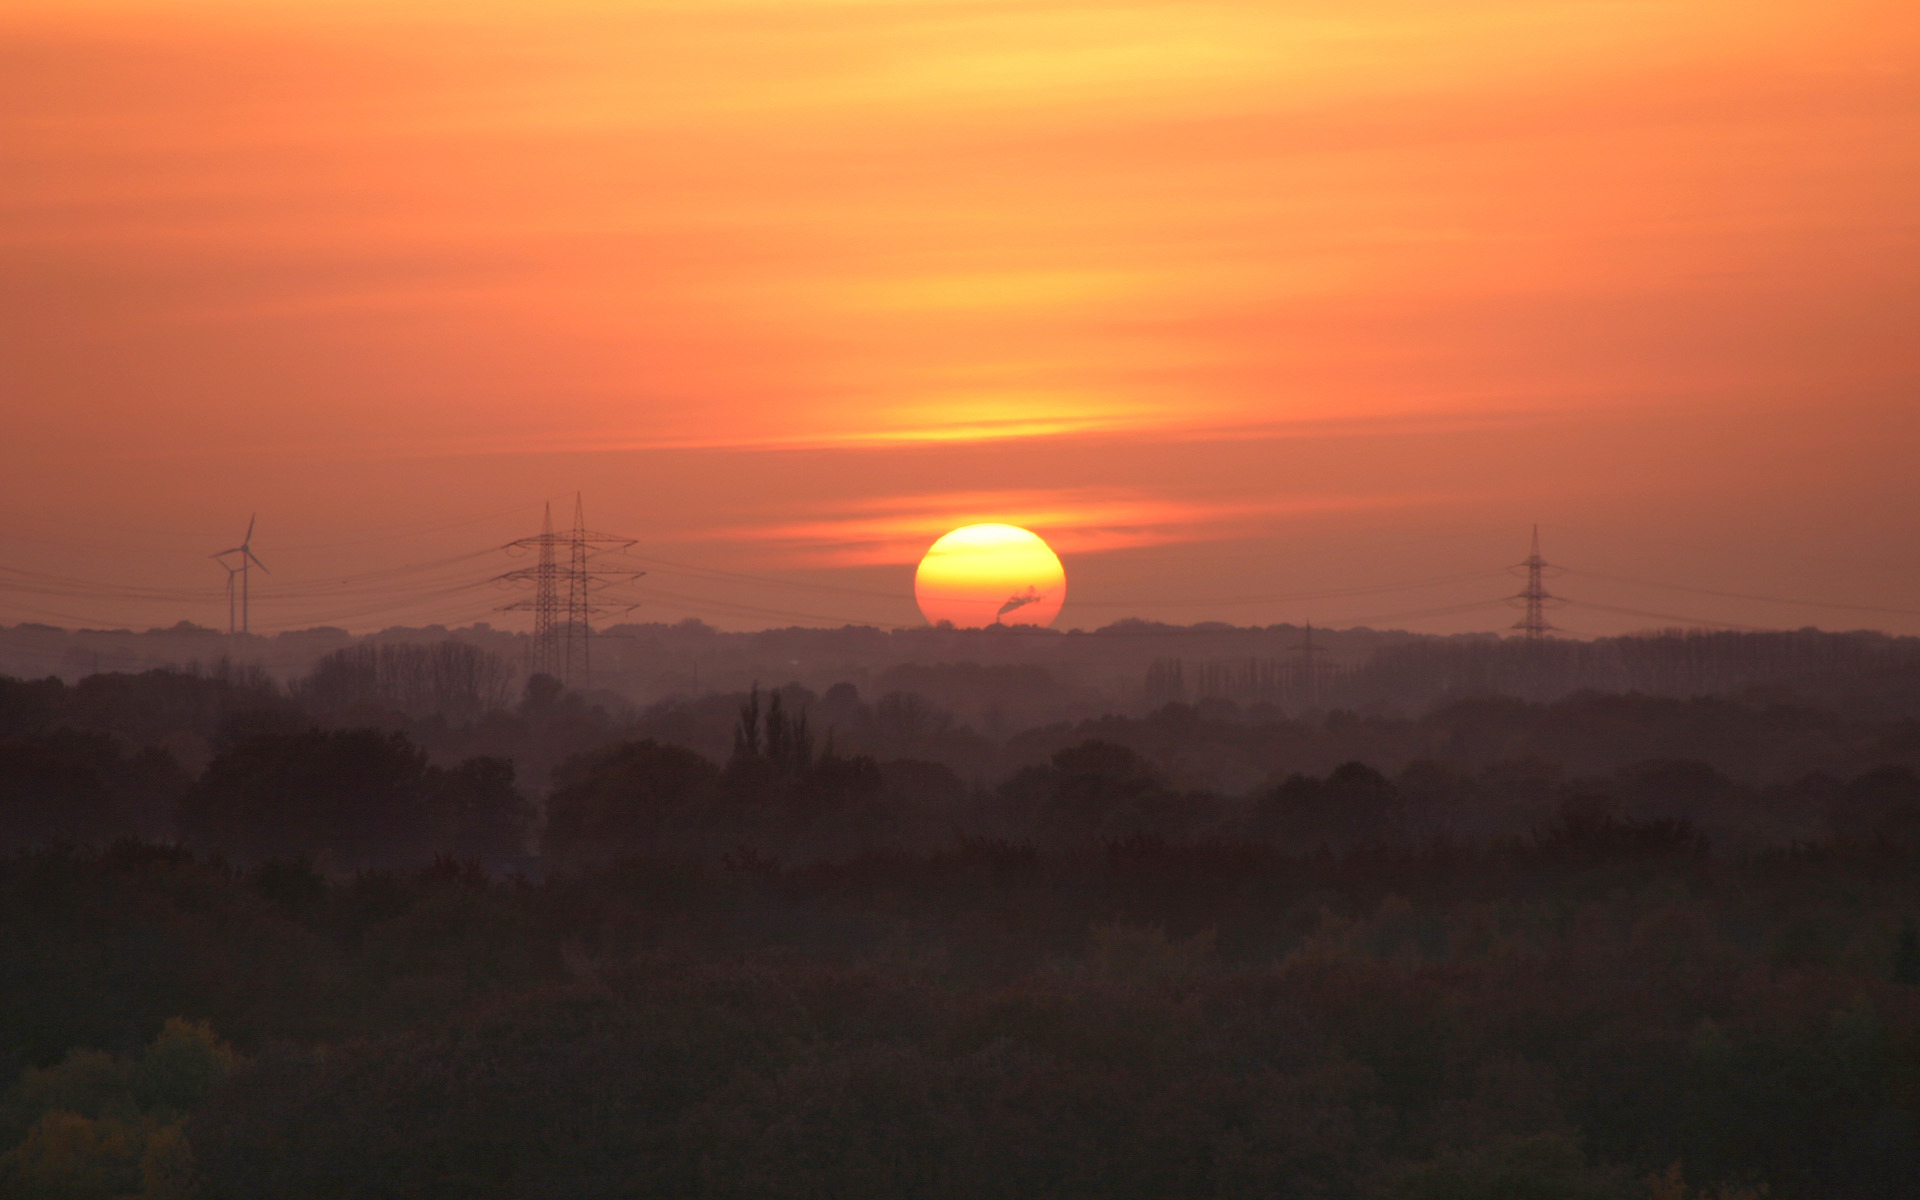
(746, 730)
(540, 695)
(637, 798)
(68, 785)
(1881, 804)
(1906, 954)
(448, 679)
(359, 797)
(477, 812)
(1353, 803)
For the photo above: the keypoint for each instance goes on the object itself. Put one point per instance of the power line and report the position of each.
(1289, 597)
(1676, 587)
(754, 610)
(674, 568)
(147, 535)
(1444, 611)
(692, 571)
(1659, 616)
(403, 534)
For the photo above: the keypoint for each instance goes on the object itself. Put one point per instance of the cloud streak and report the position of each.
(1075, 521)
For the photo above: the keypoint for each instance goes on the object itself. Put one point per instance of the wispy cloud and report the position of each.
(1075, 521)
(1072, 432)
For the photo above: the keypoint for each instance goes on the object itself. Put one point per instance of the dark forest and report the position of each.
(399, 929)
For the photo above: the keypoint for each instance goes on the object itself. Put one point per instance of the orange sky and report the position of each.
(1246, 306)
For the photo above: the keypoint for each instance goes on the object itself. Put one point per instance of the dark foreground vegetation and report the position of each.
(1568, 1016)
(253, 945)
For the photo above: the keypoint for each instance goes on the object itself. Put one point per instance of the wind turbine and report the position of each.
(248, 560)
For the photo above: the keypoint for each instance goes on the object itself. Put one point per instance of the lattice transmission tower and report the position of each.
(567, 597)
(1535, 597)
(1307, 665)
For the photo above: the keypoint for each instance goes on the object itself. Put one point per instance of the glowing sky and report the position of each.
(1242, 305)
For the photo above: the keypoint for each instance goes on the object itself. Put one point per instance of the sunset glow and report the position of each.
(990, 574)
(1347, 293)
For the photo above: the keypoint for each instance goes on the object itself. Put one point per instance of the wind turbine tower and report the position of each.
(248, 560)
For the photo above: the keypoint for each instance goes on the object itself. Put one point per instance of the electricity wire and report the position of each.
(1660, 616)
(1676, 587)
(1271, 598)
(1291, 597)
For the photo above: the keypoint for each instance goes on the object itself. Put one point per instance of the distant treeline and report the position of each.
(235, 765)
(1865, 671)
(452, 680)
(1003, 681)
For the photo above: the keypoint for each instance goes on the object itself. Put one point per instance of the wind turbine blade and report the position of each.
(257, 562)
(251, 517)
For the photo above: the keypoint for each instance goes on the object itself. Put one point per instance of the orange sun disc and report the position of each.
(982, 575)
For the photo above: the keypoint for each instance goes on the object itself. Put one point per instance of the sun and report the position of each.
(982, 575)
